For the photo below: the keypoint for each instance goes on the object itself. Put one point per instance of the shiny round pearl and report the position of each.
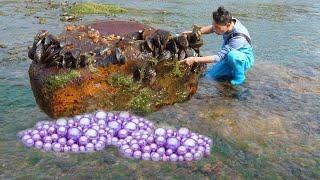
(160, 141)
(51, 130)
(180, 158)
(137, 154)
(114, 125)
(38, 144)
(56, 147)
(169, 152)
(34, 132)
(124, 115)
(47, 147)
(146, 149)
(54, 137)
(181, 150)
(74, 133)
(161, 151)
(114, 141)
(61, 131)
(150, 139)
(155, 156)
(201, 148)
(128, 152)
(82, 149)
(84, 122)
(91, 134)
(200, 142)
(172, 143)
(173, 158)
(99, 146)
(29, 143)
(160, 132)
(122, 133)
(153, 147)
(25, 138)
(183, 132)
(36, 137)
(141, 125)
(42, 133)
(101, 122)
(66, 148)
(47, 139)
(83, 140)
(62, 141)
(142, 142)
(90, 147)
(188, 156)
(75, 148)
(61, 122)
(165, 158)
(135, 147)
(146, 156)
(130, 127)
(70, 142)
(197, 156)
(190, 143)
(101, 115)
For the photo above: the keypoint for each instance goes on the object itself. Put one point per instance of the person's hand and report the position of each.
(189, 60)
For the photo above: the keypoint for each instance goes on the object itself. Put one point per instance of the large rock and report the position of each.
(112, 65)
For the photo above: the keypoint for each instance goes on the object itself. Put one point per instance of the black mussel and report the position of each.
(39, 52)
(181, 54)
(172, 46)
(182, 41)
(166, 55)
(119, 57)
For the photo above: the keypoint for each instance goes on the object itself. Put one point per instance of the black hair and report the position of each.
(222, 16)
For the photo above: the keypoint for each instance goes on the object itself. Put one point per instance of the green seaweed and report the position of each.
(142, 103)
(58, 81)
(120, 80)
(94, 8)
(177, 70)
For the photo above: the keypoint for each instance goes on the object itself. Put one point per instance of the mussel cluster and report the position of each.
(73, 51)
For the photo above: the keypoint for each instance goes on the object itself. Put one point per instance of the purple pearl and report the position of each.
(124, 115)
(90, 147)
(128, 152)
(70, 142)
(169, 152)
(54, 137)
(47, 147)
(146, 156)
(190, 143)
(137, 154)
(82, 149)
(101, 115)
(114, 140)
(150, 139)
(66, 148)
(122, 133)
(153, 147)
(38, 144)
(25, 138)
(200, 142)
(155, 156)
(56, 147)
(188, 156)
(160, 141)
(83, 140)
(84, 122)
(74, 133)
(183, 132)
(42, 133)
(51, 130)
(165, 158)
(134, 141)
(103, 139)
(201, 148)
(135, 120)
(91, 134)
(197, 156)
(102, 122)
(75, 148)
(114, 125)
(142, 142)
(172, 143)
(161, 151)
(47, 139)
(180, 158)
(141, 125)
(34, 132)
(146, 149)
(46, 127)
(29, 143)
(181, 150)
(62, 141)
(130, 127)
(61, 131)
(61, 122)
(173, 158)
(135, 147)
(36, 137)
(160, 132)
(99, 146)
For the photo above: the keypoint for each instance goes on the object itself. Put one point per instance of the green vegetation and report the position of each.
(177, 70)
(143, 101)
(58, 81)
(120, 80)
(94, 8)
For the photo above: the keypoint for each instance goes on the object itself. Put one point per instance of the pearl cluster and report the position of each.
(134, 136)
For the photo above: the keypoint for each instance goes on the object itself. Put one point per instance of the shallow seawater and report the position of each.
(269, 128)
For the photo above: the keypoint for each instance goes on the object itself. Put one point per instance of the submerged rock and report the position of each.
(112, 65)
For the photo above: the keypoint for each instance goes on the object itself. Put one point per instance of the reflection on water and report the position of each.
(270, 127)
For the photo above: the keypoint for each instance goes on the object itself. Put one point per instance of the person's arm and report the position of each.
(207, 29)
(204, 59)
(204, 30)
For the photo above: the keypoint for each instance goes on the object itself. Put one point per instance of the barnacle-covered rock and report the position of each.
(112, 65)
